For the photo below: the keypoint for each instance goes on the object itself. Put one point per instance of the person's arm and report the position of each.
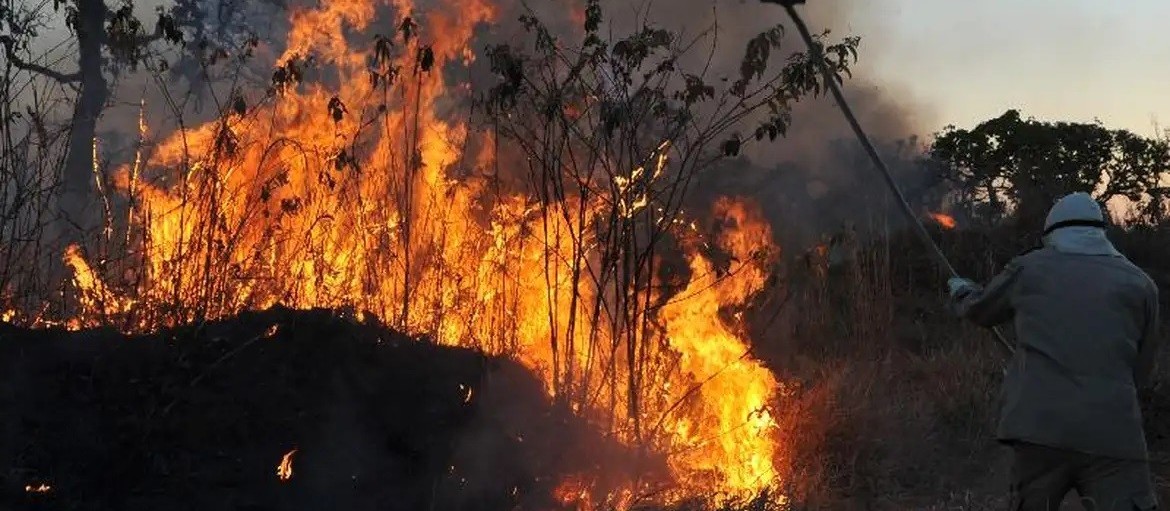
(1148, 349)
(991, 305)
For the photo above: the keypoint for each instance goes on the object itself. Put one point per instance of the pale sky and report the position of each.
(964, 61)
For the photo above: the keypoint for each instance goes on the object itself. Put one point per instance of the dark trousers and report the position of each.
(1042, 476)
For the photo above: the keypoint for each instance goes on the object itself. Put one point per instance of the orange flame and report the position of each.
(944, 220)
(731, 427)
(284, 212)
(572, 493)
(39, 488)
(284, 470)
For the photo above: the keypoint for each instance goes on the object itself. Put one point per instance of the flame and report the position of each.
(280, 208)
(92, 291)
(39, 488)
(573, 493)
(944, 220)
(731, 426)
(284, 470)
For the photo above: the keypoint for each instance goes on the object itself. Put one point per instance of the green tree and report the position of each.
(1011, 168)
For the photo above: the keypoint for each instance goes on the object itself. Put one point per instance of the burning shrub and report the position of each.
(345, 186)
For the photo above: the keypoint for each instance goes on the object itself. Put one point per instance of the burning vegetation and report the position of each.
(544, 219)
(520, 301)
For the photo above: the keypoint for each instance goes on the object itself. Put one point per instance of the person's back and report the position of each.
(1085, 321)
(1080, 321)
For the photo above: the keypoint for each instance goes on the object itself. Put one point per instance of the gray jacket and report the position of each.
(1086, 321)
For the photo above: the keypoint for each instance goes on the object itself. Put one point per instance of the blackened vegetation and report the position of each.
(289, 74)
(199, 418)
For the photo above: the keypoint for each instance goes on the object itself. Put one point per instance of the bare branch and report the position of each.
(10, 53)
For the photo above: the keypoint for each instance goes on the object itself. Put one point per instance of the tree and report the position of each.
(1014, 167)
(108, 39)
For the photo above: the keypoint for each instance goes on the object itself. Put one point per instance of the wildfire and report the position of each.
(39, 488)
(731, 427)
(944, 220)
(572, 493)
(284, 470)
(285, 211)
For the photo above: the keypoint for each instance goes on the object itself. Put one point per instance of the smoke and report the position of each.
(815, 180)
(812, 181)
(809, 182)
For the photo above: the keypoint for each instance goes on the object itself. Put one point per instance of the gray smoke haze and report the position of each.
(815, 180)
(811, 182)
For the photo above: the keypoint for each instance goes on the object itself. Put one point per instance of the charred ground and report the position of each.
(199, 418)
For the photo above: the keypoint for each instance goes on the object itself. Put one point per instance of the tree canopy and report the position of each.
(1012, 168)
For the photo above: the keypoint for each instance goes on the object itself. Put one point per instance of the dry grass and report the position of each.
(897, 399)
(893, 430)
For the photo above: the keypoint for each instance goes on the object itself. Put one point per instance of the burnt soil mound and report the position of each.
(200, 417)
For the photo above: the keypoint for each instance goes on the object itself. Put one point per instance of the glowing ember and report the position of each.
(467, 392)
(944, 220)
(285, 471)
(39, 488)
(572, 494)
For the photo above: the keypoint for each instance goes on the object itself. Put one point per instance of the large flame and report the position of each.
(731, 423)
(343, 196)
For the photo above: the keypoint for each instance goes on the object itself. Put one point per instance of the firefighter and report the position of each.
(1086, 320)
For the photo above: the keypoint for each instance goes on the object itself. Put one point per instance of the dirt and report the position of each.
(200, 417)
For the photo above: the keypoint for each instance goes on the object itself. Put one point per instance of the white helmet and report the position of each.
(1074, 209)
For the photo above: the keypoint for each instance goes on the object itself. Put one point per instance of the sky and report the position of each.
(962, 61)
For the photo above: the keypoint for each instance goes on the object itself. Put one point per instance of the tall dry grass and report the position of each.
(897, 399)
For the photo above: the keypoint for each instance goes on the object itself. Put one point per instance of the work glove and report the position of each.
(960, 287)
